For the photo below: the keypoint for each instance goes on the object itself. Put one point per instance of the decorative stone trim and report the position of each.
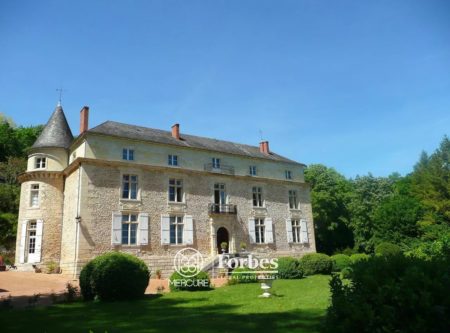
(33, 175)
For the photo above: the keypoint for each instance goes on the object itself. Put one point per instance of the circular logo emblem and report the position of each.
(188, 262)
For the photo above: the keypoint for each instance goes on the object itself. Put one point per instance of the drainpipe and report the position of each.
(77, 224)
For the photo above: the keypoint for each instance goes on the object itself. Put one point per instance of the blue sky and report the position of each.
(362, 86)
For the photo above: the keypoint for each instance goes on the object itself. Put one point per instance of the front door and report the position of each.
(222, 237)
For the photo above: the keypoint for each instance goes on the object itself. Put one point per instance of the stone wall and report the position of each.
(101, 197)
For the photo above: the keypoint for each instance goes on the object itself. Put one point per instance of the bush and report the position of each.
(289, 268)
(114, 276)
(391, 294)
(387, 249)
(200, 281)
(340, 261)
(316, 263)
(357, 257)
(346, 272)
(238, 277)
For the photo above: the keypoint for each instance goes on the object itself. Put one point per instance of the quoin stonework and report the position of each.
(152, 192)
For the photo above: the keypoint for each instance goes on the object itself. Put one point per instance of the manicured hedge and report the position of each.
(340, 261)
(114, 276)
(289, 268)
(316, 263)
(357, 257)
(391, 294)
(387, 249)
(200, 281)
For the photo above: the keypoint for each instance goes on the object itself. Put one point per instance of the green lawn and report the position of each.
(299, 306)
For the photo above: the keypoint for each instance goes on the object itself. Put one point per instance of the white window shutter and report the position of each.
(268, 230)
(303, 231)
(188, 233)
(116, 235)
(290, 239)
(23, 239)
(143, 228)
(38, 248)
(251, 230)
(165, 229)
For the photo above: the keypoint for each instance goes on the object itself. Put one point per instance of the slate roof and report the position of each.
(165, 137)
(57, 133)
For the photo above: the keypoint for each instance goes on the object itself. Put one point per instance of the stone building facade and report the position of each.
(151, 193)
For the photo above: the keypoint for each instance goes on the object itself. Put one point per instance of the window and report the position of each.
(32, 237)
(293, 204)
(40, 163)
(288, 174)
(128, 154)
(175, 190)
(257, 197)
(259, 230)
(252, 170)
(173, 160)
(129, 187)
(216, 163)
(176, 230)
(129, 229)
(34, 195)
(295, 231)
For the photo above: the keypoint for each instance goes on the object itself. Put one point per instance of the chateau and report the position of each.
(151, 193)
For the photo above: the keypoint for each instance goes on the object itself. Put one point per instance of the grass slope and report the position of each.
(298, 305)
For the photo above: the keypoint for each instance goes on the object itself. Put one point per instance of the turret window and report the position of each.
(34, 195)
(40, 163)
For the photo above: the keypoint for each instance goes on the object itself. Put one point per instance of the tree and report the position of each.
(330, 194)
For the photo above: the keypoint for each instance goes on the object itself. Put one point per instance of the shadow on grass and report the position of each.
(156, 314)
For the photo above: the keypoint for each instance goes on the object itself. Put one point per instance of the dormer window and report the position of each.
(216, 163)
(128, 154)
(40, 163)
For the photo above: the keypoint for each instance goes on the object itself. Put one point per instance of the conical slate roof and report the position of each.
(57, 133)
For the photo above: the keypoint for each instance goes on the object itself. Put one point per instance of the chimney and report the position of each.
(84, 119)
(176, 131)
(264, 147)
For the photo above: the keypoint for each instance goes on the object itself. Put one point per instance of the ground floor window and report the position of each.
(295, 231)
(31, 237)
(129, 229)
(259, 230)
(176, 230)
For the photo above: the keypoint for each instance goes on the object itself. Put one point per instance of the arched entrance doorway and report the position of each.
(222, 236)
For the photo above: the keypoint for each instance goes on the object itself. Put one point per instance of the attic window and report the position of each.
(40, 163)
(128, 154)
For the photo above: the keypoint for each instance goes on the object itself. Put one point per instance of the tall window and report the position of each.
(288, 174)
(175, 190)
(128, 154)
(259, 230)
(293, 204)
(252, 170)
(31, 237)
(176, 229)
(129, 229)
(257, 197)
(173, 160)
(40, 163)
(34, 195)
(216, 163)
(296, 231)
(129, 187)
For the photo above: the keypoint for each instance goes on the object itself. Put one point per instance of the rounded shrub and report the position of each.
(289, 268)
(357, 257)
(242, 275)
(200, 281)
(346, 272)
(386, 249)
(316, 263)
(114, 276)
(340, 261)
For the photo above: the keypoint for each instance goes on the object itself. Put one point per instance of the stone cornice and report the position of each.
(106, 163)
(36, 175)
